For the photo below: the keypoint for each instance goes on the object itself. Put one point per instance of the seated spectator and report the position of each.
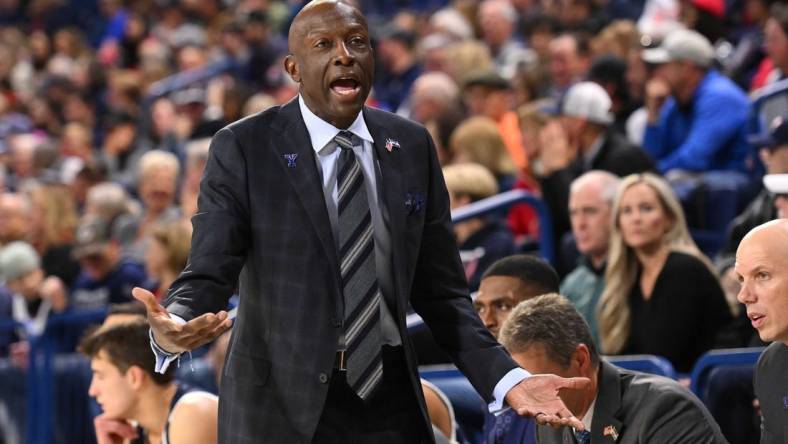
(696, 116)
(106, 277)
(774, 155)
(399, 66)
(157, 185)
(53, 225)
(777, 186)
(761, 263)
(196, 158)
(590, 206)
(478, 140)
(108, 201)
(661, 294)
(505, 284)
(128, 389)
(547, 335)
(15, 209)
(166, 256)
(487, 94)
(498, 23)
(509, 281)
(580, 140)
(432, 95)
(120, 150)
(481, 240)
(776, 45)
(33, 296)
(568, 62)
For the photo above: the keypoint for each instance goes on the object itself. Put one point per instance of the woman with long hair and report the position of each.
(662, 295)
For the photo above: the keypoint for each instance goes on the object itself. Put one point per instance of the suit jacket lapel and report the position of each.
(290, 136)
(391, 174)
(608, 405)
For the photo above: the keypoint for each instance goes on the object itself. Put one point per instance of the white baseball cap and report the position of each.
(776, 183)
(589, 101)
(683, 44)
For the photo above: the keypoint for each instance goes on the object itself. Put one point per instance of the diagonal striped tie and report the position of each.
(357, 267)
(583, 436)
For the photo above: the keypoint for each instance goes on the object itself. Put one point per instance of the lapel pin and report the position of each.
(291, 159)
(391, 144)
(611, 432)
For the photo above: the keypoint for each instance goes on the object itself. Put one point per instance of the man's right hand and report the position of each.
(113, 431)
(178, 338)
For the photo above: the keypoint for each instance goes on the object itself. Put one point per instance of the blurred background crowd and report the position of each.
(107, 108)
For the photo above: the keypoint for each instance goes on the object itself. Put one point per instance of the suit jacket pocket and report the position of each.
(246, 369)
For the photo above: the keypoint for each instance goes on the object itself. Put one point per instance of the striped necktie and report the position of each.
(583, 436)
(359, 282)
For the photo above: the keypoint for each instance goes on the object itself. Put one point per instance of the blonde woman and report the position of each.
(477, 140)
(661, 295)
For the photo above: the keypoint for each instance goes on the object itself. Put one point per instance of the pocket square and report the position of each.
(414, 202)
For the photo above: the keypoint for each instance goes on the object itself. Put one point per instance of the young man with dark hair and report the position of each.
(547, 334)
(510, 281)
(129, 390)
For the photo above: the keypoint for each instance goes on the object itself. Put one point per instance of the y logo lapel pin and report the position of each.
(391, 144)
(291, 159)
(611, 432)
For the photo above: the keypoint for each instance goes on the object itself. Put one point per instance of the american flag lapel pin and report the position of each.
(291, 159)
(611, 432)
(391, 144)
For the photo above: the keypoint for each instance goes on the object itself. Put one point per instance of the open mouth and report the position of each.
(757, 319)
(345, 87)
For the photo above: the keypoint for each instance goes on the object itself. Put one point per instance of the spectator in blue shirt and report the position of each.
(696, 117)
(105, 277)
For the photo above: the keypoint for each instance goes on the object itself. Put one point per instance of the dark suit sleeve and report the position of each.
(221, 233)
(440, 293)
(676, 418)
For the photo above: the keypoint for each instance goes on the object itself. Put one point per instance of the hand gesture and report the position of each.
(537, 396)
(178, 338)
(556, 152)
(53, 290)
(113, 431)
(657, 91)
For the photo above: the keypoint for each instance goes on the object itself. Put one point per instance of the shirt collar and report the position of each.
(593, 150)
(588, 418)
(322, 132)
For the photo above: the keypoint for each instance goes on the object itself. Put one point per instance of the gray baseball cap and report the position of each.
(682, 45)
(17, 259)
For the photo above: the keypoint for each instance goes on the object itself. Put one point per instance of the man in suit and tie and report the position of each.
(547, 335)
(330, 218)
(762, 270)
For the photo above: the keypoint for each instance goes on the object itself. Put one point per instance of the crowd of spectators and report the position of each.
(107, 108)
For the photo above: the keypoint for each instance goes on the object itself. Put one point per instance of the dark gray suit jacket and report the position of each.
(771, 389)
(262, 225)
(641, 409)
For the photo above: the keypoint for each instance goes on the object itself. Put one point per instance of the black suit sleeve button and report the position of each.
(323, 378)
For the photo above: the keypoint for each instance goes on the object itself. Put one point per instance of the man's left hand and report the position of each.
(537, 396)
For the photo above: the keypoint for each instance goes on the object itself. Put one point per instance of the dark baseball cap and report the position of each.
(490, 79)
(92, 236)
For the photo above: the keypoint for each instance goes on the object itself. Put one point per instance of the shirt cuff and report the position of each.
(163, 357)
(514, 377)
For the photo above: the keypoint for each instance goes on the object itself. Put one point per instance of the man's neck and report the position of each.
(597, 260)
(590, 394)
(153, 409)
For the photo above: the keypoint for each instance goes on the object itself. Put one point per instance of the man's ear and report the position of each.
(135, 376)
(582, 358)
(291, 67)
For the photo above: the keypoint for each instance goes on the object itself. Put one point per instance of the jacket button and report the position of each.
(323, 378)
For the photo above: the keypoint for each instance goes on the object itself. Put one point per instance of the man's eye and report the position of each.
(504, 306)
(321, 44)
(762, 276)
(358, 41)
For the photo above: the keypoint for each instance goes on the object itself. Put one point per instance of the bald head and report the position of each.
(316, 8)
(772, 234)
(331, 60)
(762, 269)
